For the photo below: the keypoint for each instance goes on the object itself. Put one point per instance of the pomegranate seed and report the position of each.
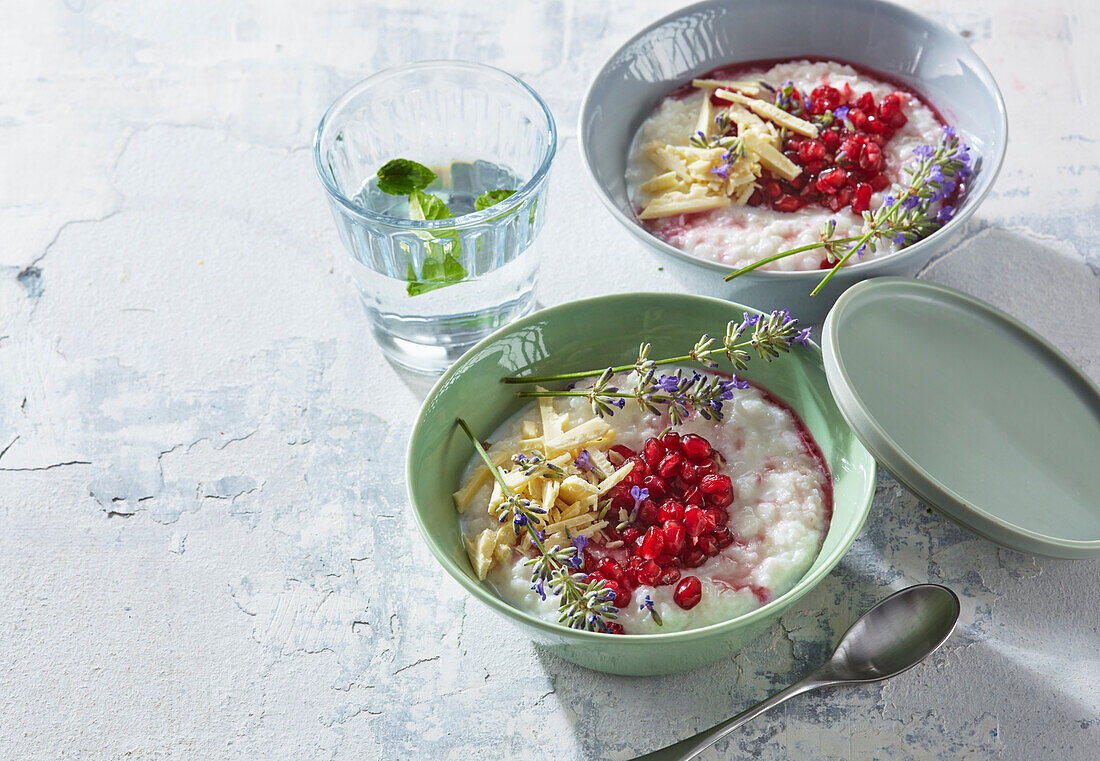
(609, 569)
(788, 203)
(693, 557)
(647, 512)
(674, 536)
(715, 483)
(693, 497)
(671, 510)
(858, 118)
(756, 198)
(722, 498)
(771, 190)
(814, 167)
(695, 447)
(862, 201)
(689, 473)
(846, 93)
(614, 628)
(811, 149)
(877, 126)
(866, 102)
(870, 160)
(624, 452)
(670, 466)
(709, 545)
(622, 596)
(832, 181)
(656, 486)
(831, 203)
(831, 140)
(695, 521)
(653, 451)
(648, 573)
(631, 534)
(707, 468)
(852, 147)
(724, 537)
(880, 182)
(671, 441)
(653, 543)
(718, 515)
(668, 576)
(665, 560)
(688, 592)
(844, 196)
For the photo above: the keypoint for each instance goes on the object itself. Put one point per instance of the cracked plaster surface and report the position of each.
(203, 526)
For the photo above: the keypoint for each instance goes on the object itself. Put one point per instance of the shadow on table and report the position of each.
(1029, 663)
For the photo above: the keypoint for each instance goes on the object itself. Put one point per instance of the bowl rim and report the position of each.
(483, 593)
(514, 201)
(866, 268)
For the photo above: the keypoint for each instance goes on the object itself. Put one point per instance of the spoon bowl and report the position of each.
(894, 636)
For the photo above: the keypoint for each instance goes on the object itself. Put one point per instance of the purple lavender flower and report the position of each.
(841, 113)
(923, 151)
(948, 131)
(722, 170)
(520, 520)
(889, 200)
(751, 319)
(584, 460)
(670, 384)
(620, 403)
(738, 383)
(909, 202)
(639, 495)
(580, 542)
(900, 239)
(801, 339)
(944, 215)
(539, 587)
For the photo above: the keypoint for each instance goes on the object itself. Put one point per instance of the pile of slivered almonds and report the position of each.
(694, 178)
(571, 497)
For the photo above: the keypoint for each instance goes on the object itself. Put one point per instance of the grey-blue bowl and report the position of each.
(922, 54)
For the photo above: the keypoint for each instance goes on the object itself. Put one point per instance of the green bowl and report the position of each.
(594, 333)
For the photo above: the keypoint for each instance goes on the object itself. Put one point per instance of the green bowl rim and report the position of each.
(494, 601)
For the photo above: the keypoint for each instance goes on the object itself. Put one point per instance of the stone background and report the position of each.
(203, 532)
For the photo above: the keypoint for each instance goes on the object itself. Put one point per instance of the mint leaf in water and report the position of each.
(424, 206)
(401, 177)
(490, 197)
(440, 269)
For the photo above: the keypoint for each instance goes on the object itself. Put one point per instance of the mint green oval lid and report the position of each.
(972, 411)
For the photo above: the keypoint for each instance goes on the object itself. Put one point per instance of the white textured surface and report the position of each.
(203, 530)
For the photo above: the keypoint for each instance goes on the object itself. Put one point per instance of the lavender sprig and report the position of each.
(679, 394)
(905, 217)
(582, 604)
(778, 327)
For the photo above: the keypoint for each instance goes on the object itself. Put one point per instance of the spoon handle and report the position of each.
(685, 750)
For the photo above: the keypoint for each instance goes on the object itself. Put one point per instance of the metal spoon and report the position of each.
(892, 637)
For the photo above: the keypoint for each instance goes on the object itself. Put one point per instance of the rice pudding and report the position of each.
(689, 527)
(812, 141)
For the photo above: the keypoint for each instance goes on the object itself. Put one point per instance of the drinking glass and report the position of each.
(433, 288)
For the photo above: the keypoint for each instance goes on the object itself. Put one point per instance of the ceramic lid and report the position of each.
(972, 411)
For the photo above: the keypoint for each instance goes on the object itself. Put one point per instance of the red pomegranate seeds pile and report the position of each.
(840, 167)
(681, 523)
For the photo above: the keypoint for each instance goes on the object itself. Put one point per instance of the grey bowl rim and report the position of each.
(515, 201)
(869, 267)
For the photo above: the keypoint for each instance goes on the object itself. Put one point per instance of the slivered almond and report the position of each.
(770, 112)
(749, 88)
(771, 158)
(476, 480)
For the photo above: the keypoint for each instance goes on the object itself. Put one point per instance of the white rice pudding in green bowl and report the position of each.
(689, 526)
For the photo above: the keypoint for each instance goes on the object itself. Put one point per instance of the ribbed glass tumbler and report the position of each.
(432, 288)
